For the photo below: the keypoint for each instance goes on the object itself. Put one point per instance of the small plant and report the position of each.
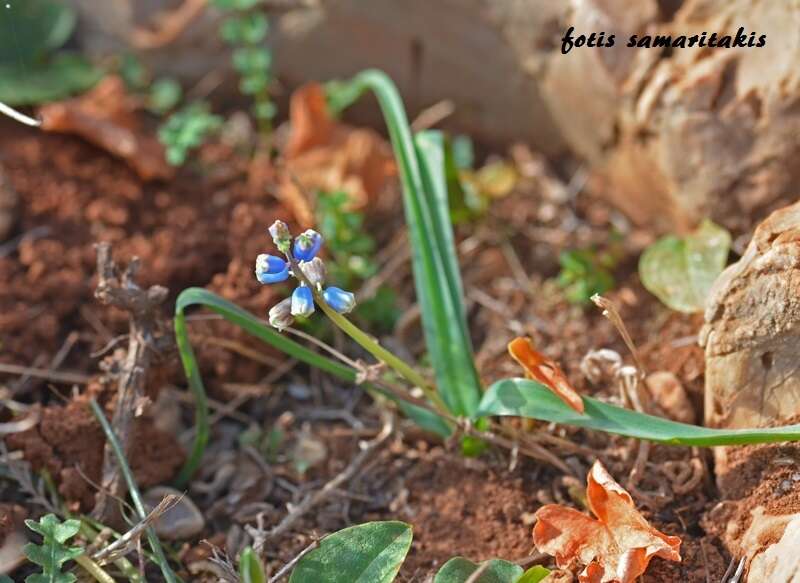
(187, 129)
(245, 29)
(351, 250)
(33, 67)
(349, 245)
(584, 273)
(53, 552)
(250, 568)
(456, 394)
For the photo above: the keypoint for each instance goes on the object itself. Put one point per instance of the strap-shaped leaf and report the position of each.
(436, 276)
(524, 398)
(367, 553)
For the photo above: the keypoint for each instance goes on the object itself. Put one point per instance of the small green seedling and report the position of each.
(186, 130)
(250, 568)
(584, 273)
(53, 552)
(245, 30)
(352, 249)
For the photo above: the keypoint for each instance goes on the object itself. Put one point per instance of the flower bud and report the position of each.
(280, 316)
(302, 301)
(306, 245)
(315, 271)
(340, 300)
(271, 269)
(281, 236)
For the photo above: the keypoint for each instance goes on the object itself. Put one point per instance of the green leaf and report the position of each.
(165, 94)
(680, 271)
(459, 570)
(434, 260)
(583, 274)
(187, 129)
(340, 95)
(367, 553)
(29, 29)
(250, 569)
(255, 327)
(252, 60)
(53, 552)
(525, 398)
(534, 574)
(62, 76)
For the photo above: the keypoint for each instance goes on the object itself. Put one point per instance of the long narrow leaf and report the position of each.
(252, 325)
(435, 267)
(524, 398)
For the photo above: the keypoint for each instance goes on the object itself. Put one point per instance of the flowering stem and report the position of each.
(368, 343)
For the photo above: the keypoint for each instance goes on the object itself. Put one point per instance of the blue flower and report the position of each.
(306, 245)
(340, 300)
(271, 269)
(302, 301)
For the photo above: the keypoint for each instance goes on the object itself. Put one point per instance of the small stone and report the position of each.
(183, 521)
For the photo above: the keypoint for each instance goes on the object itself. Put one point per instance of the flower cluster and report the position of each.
(302, 251)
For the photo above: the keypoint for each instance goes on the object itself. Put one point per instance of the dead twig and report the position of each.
(130, 540)
(146, 339)
(53, 376)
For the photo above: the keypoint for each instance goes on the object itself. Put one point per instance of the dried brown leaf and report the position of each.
(105, 117)
(615, 547)
(544, 370)
(322, 154)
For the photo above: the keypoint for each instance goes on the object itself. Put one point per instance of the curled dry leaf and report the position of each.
(323, 154)
(105, 117)
(544, 370)
(615, 547)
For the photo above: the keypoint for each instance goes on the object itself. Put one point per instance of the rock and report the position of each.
(752, 330)
(683, 134)
(776, 562)
(182, 521)
(750, 335)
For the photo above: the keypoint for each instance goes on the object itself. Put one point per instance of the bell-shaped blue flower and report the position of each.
(306, 245)
(271, 269)
(340, 300)
(302, 301)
